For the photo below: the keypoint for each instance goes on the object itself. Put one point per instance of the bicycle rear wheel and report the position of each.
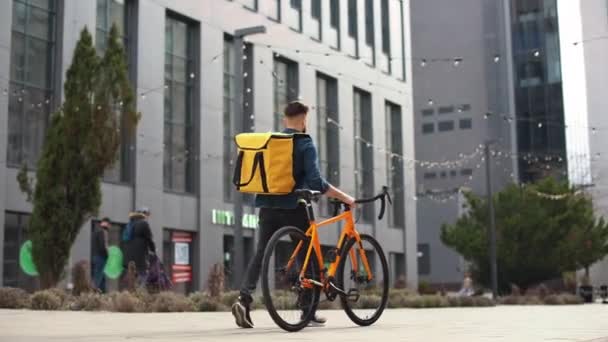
(290, 303)
(367, 307)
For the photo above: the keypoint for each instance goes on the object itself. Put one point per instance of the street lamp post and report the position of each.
(239, 35)
(492, 226)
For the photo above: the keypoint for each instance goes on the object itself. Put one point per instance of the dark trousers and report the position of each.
(270, 220)
(99, 263)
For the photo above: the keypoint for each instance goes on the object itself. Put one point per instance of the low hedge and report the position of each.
(142, 301)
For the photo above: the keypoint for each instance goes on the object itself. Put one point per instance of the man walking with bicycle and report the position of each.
(277, 211)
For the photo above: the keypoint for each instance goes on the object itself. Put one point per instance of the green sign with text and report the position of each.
(225, 217)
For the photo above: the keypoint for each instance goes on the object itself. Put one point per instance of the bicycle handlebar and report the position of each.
(383, 196)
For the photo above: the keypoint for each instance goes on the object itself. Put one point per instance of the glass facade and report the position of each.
(229, 107)
(115, 12)
(364, 151)
(395, 170)
(178, 171)
(285, 87)
(328, 132)
(538, 89)
(32, 76)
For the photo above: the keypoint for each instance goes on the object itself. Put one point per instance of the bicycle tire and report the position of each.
(346, 305)
(266, 290)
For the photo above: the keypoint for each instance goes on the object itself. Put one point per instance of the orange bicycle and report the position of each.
(296, 268)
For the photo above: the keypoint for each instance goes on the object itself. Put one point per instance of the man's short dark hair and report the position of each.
(295, 108)
(106, 219)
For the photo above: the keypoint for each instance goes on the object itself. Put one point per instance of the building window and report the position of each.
(364, 150)
(250, 4)
(428, 128)
(275, 10)
(369, 23)
(453, 173)
(430, 175)
(296, 6)
(466, 172)
(31, 80)
(444, 126)
(229, 107)
(179, 120)
(328, 134)
(386, 28)
(394, 143)
(15, 234)
(110, 12)
(334, 14)
(428, 112)
(465, 123)
(397, 262)
(424, 259)
(446, 110)
(464, 108)
(286, 88)
(353, 30)
(315, 9)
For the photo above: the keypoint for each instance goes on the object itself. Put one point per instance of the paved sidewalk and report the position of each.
(504, 323)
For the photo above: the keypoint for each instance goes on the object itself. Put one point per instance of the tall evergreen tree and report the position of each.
(82, 141)
(538, 238)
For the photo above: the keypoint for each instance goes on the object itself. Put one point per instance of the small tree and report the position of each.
(538, 238)
(81, 142)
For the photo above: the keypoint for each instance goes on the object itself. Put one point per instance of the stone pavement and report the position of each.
(503, 323)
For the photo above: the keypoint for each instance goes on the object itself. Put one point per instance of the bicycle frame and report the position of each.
(348, 231)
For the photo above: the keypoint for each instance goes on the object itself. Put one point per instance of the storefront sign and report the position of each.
(181, 267)
(225, 217)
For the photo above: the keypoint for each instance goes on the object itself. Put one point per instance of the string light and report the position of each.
(496, 58)
(423, 63)
(457, 61)
(536, 53)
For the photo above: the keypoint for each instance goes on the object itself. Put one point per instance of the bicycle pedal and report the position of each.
(353, 295)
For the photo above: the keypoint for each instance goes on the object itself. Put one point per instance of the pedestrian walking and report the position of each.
(138, 243)
(100, 253)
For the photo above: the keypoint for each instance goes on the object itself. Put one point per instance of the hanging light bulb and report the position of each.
(248, 90)
(540, 125)
(457, 61)
(5, 92)
(430, 102)
(487, 115)
(143, 96)
(496, 58)
(593, 130)
(536, 53)
(192, 75)
(423, 63)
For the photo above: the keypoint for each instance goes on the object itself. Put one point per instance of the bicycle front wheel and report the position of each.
(368, 295)
(290, 302)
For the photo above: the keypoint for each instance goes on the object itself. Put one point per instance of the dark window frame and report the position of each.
(445, 126)
(425, 128)
(364, 154)
(191, 113)
(395, 167)
(20, 109)
(465, 123)
(292, 87)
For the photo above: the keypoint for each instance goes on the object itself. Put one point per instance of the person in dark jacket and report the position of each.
(100, 253)
(138, 242)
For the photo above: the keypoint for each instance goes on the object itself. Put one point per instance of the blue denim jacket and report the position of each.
(306, 172)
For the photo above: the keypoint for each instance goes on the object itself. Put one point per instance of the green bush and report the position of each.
(89, 302)
(203, 302)
(570, 299)
(482, 301)
(13, 298)
(229, 298)
(45, 300)
(434, 301)
(126, 302)
(397, 299)
(170, 302)
(368, 302)
(554, 300)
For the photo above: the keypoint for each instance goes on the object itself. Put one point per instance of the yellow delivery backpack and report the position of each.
(265, 163)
